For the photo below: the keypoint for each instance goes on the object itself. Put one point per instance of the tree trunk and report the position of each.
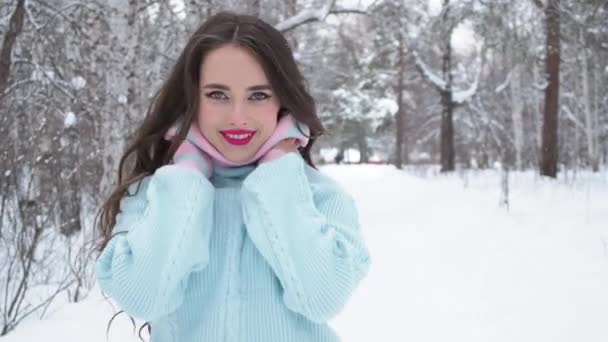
(14, 29)
(516, 114)
(7, 151)
(400, 108)
(68, 184)
(595, 117)
(447, 115)
(114, 128)
(590, 127)
(538, 116)
(65, 145)
(550, 125)
(133, 69)
(361, 141)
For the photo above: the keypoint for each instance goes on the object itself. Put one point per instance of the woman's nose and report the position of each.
(237, 115)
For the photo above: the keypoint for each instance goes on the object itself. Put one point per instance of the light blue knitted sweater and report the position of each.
(254, 254)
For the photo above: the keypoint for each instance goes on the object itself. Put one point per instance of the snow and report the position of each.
(448, 263)
(69, 120)
(464, 38)
(328, 154)
(458, 96)
(541, 86)
(351, 155)
(78, 82)
(428, 74)
(305, 15)
(377, 157)
(505, 84)
(463, 96)
(75, 322)
(39, 74)
(386, 105)
(359, 104)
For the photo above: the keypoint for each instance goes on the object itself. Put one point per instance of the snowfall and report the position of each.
(449, 262)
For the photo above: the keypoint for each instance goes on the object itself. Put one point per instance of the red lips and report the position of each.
(238, 137)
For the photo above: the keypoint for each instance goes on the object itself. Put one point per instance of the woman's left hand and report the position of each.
(287, 145)
(282, 147)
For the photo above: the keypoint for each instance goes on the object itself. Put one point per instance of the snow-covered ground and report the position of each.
(448, 263)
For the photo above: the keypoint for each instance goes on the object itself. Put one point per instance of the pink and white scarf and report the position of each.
(287, 127)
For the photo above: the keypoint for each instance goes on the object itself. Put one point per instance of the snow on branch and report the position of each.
(30, 16)
(305, 16)
(310, 15)
(541, 86)
(504, 84)
(462, 96)
(458, 96)
(437, 81)
(569, 115)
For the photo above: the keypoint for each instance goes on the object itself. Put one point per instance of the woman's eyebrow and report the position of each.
(260, 87)
(225, 87)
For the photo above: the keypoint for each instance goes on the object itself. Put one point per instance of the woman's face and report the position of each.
(237, 110)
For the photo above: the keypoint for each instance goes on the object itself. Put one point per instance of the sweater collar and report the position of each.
(228, 176)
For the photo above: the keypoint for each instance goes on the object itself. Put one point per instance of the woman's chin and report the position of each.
(240, 154)
(238, 157)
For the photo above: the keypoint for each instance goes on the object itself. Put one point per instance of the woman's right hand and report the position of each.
(188, 154)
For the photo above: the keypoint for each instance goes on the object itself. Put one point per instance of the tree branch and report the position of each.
(311, 15)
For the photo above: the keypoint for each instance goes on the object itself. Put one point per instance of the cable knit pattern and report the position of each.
(145, 270)
(254, 254)
(312, 241)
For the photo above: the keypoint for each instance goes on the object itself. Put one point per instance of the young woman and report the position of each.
(222, 229)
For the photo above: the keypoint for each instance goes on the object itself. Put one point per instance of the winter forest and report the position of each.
(472, 133)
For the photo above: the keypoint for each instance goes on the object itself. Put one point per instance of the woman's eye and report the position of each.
(260, 96)
(216, 95)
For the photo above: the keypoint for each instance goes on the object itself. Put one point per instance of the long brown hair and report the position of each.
(177, 99)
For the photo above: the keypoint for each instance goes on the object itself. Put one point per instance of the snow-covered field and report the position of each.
(448, 263)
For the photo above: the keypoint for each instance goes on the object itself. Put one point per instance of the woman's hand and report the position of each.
(282, 147)
(287, 145)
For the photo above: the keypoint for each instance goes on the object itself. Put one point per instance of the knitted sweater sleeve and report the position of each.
(163, 233)
(308, 231)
